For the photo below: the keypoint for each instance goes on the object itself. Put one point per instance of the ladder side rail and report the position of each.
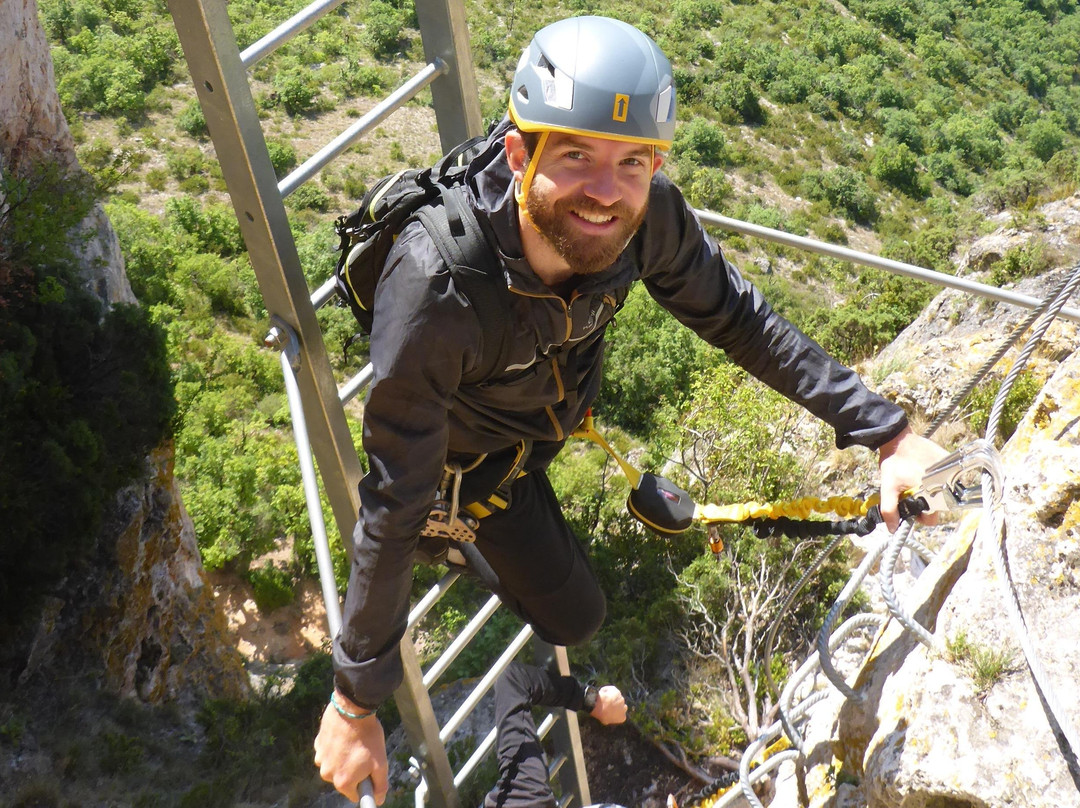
(422, 729)
(301, 21)
(372, 118)
(445, 34)
(220, 80)
(290, 349)
(887, 264)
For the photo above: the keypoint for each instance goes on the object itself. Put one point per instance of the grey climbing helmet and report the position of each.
(598, 77)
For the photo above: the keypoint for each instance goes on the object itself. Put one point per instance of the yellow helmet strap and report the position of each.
(521, 190)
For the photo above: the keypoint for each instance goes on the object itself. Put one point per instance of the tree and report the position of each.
(84, 390)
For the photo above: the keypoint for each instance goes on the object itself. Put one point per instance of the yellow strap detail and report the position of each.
(587, 430)
(478, 510)
(844, 507)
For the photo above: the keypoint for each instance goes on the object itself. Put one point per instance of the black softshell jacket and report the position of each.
(426, 338)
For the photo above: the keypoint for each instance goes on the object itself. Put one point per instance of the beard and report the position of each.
(586, 255)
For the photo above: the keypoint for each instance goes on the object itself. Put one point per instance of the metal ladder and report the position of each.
(219, 71)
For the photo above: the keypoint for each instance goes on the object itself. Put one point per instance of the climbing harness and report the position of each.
(453, 520)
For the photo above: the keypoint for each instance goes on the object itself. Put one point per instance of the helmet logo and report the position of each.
(622, 107)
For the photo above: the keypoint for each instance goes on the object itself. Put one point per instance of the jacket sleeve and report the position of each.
(422, 337)
(685, 271)
(524, 685)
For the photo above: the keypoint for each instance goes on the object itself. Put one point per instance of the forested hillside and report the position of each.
(893, 127)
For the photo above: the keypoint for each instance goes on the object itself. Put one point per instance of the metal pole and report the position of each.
(374, 116)
(290, 354)
(887, 264)
(287, 30)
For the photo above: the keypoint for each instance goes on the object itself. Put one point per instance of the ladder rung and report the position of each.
(374, 116)
(463, 639)
(357, 383)
(287, 30)
(556, 764)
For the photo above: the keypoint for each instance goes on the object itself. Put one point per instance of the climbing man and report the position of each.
(523, 773)
(569, 194)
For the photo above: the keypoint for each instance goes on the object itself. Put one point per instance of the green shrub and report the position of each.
(295, 90)
(150, 252)
(187, 162)
(271, 587)
(383, 28)
(309, 196)
(736, 100)
(355, 78)
(699, 143)
(903, 126)
(986, 665)
(1045, 137)
(194, 185)
(845, 190)
(210, 229)
(1020, 398)
(216, 278)
(975, 139)
(282, 156)
(708, 188)
(948, 169)
(1022, 261)
(192, 121)
(896, 164)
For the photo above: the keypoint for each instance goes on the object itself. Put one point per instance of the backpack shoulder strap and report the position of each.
(465, 244)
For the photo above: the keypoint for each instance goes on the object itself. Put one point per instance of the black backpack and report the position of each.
(434, 196)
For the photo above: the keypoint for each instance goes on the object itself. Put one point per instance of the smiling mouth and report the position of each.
(594, 218)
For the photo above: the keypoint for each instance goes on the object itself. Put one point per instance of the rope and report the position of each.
(993, 492)
(997, 356)
(770, 639)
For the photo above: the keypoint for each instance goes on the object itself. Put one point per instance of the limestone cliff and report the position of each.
(962, 724)
(140, 615)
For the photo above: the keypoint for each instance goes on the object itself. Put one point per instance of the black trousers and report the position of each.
(523, 780)
(529, 556)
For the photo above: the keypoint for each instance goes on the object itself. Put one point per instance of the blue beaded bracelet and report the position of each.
(345, 713)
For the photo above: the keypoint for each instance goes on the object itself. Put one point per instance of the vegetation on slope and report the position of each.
(889, 126)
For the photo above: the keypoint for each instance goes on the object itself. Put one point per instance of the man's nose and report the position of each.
(602, 186)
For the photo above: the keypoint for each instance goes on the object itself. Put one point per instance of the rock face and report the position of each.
(141, 612)
(33, 130)
(963, 724)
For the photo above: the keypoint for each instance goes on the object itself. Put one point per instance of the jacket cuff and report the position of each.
(371, 682)
(877, 436)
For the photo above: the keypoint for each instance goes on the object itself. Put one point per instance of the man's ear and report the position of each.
(657, 160)
(517, 156)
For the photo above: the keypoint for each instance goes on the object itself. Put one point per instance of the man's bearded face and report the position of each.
(566, 224)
